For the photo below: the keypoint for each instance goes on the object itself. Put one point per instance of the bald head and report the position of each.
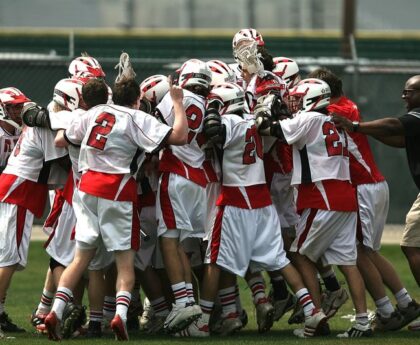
(411, 93)
(414, 82)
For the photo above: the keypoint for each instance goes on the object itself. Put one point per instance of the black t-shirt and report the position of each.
(411, 123)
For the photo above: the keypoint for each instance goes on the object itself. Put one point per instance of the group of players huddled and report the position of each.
(180, 184)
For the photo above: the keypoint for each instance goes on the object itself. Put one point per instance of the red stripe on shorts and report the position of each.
(165, 203)
(135, 233)
(20, 224)
(216, 235)
(309, 220)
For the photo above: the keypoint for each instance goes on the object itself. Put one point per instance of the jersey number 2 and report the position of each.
(97, 137)
(332, 141)
(194, 117)
(253, 147)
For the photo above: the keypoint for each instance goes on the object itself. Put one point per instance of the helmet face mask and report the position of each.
(309, 95)
(248, 57)
(221, 72)
(12, 101)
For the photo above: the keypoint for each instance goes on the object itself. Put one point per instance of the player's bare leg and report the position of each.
(308, 272)
(413, 256)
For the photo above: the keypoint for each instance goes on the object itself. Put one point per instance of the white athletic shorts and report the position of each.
(148, 223)
(61, 244)
(181, 207)
(105, 221)
(212, 191)
(282, 195)
(373, 200)
(327, 235)
(411, 235)
(243, 237)
(15, 234)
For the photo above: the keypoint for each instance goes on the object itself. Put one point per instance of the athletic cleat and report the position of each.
(7, 325)
(333, 301)
(37, 318)
(315, 325)
(282, 306)
(155, 324)
(180, 317)
(392, 323)
(265, 312)
(94, 330)
(53, 325)
(134, 311)
(196, 330)
(410, 313)
(297, 315)
(230, 324)
(147, 314)
(74, 317)
(119, 328)
(243, 316)
(357, 331)
(414, 326)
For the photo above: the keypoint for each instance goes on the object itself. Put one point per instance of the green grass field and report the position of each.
(26, 288)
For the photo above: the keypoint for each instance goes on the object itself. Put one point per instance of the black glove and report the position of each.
(35, 116)
(212, 126)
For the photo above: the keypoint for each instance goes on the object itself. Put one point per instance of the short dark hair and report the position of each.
(334, 82)
(95, 92)
(126, 92)
(198, 90)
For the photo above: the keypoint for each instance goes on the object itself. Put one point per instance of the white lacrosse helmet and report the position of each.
(11, 95)
(248, 57)
(287, 69)
(247, 34)
(309, 95)
(86, 64)
(230, 95)
(154, 88)
(221, 72)
(195, 72)
(68, 93)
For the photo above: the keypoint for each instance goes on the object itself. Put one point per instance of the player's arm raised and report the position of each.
(179, 134)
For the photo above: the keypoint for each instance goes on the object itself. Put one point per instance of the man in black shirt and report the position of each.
(403, 131)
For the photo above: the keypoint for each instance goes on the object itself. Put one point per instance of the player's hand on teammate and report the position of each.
(175, 91)
(342, 122)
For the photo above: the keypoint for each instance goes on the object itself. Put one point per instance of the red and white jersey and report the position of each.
(363, 168)
(7, 143)
(238, 74)
(109, 136)
(320, 163)
(243, 180)
(319, 149)
(186, 160)
(256, 87)
(32, 151)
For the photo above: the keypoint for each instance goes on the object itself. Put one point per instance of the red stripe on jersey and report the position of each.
(170, 163)
(216, 235)
(107, 186)
(68, 189)
(211, 175)
(20, 224)
(340, 196)
(165, 203)
(308, 225)
(135, 231)
(30, 195)
(258, 196)
(56, 208)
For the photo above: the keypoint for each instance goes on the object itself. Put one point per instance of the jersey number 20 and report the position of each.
(332, 141)
(97, 137)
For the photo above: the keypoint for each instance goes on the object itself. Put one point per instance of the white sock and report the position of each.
(403, 298)
(384, 306)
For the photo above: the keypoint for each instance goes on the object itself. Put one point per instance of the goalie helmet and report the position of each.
(230, 96)
(154, 88)
(86, 64)
(287, 69)
(221, 72)
(309, 95)
(68, 93)
(194, 72)
(247, 34)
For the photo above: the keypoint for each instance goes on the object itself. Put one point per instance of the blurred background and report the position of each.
(373, 45)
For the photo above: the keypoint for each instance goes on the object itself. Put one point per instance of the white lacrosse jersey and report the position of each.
(110, 136)
(320, 162)
(7, 143)
(238, 74)
(256, 86)
(186, 160)
(243, 180)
